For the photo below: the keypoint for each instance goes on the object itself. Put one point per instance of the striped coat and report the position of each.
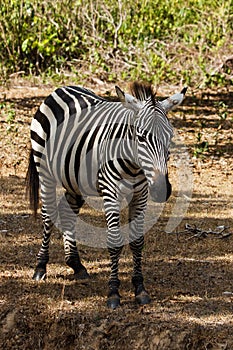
(91, 147)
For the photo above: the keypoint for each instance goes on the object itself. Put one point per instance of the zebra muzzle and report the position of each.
(161, 189)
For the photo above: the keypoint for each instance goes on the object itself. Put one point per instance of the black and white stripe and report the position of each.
(96, 147)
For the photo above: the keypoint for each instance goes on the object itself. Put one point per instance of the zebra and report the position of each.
(97, 147)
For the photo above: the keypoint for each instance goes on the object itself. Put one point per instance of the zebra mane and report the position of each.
(143, 91)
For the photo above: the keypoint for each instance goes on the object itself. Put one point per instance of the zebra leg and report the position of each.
(141, 295)
(49, 215)
(43, 255)
(115, 245)
(136, 219)
(113, 300)
(69, 207)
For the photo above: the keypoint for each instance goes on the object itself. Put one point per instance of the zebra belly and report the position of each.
(81, 180)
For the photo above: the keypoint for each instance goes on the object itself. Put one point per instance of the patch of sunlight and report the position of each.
(211, 320)
(223, 258)
(182, 298)
(3, 302)
(227, 258)
(66, 306)
(14, 272)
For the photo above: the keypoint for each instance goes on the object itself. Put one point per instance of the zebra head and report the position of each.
(152, 135)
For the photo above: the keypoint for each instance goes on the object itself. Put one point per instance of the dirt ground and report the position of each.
(189, 275)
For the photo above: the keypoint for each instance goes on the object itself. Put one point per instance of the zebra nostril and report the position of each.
(158, 196)
(161, 190)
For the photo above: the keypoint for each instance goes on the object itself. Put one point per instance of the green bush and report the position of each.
(148, 39)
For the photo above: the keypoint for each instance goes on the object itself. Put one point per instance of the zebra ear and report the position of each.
(173, 101)
(128, 101)
(120, 94)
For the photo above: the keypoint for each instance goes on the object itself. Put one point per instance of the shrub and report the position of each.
(156, 40)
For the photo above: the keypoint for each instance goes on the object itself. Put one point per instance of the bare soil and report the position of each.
(189, 278)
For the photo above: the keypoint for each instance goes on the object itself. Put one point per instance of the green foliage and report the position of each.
(152, 40)
(222, 110)
(201, 147)
(8, 111)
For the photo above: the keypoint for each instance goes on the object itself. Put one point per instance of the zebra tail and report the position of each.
(32, 184)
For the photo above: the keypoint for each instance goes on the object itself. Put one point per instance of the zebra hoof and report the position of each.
(113, 301)
(82, 274)
(142, 298)
(39, 274)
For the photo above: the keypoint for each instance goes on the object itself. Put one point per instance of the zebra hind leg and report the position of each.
(43, 255)
(69, 207)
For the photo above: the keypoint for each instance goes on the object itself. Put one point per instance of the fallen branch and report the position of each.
(219, 232)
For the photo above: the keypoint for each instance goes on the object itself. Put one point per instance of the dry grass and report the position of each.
(187, 277)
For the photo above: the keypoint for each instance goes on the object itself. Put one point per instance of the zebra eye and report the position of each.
(142, 136)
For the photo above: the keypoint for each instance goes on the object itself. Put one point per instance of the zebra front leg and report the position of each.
(141, 295)
(115, 245)
(113, 300)
(136, 221)
(69, 207)
(43, 255)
